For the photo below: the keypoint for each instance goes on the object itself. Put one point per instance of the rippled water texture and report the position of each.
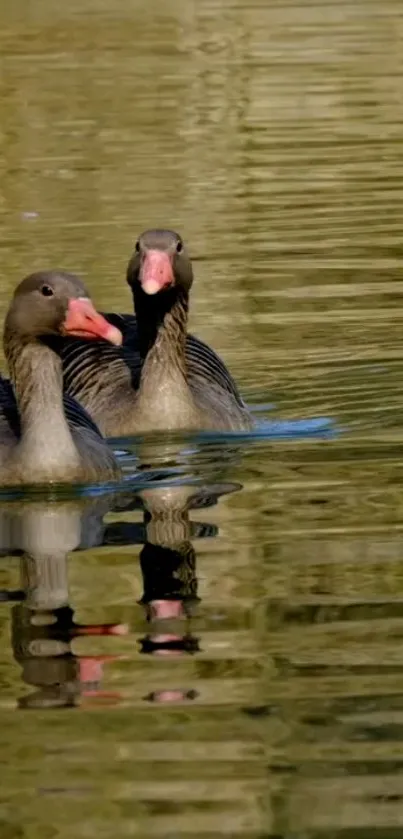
(216, 651)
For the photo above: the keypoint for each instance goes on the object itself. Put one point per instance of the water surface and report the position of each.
(218, 654)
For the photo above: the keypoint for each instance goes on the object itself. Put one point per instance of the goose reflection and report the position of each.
(42, 621)
(168, 565)
(43, 627)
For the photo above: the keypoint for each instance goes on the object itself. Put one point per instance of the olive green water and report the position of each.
(269, 134)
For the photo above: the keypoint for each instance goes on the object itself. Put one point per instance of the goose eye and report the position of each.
(47, 291)
(179, 247)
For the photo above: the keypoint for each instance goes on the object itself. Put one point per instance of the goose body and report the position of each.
(45, 436)
(162, 377)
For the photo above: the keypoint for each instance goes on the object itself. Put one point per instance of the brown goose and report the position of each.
(45, 438)
(162, 378)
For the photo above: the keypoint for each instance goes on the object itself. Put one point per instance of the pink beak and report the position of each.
(156, 272)
(83, 321)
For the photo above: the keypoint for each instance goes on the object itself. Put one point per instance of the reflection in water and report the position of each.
(43, 624)
(42, 638)
(168, 565)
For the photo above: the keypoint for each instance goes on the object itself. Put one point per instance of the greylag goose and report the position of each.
(45, 438)
(162, 378)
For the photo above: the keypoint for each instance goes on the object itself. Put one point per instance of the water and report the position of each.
(217, 653)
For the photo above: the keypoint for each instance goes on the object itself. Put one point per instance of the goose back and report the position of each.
(105, 378)
(95, 456)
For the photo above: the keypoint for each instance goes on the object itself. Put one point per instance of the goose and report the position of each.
(44, 436)
(161, 378)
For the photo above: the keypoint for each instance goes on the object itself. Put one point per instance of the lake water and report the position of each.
(218, 650)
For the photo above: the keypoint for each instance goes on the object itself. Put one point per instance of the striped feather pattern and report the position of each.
(87, 365)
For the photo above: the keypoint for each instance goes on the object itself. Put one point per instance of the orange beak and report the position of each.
(83, 321)
(156, 272)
